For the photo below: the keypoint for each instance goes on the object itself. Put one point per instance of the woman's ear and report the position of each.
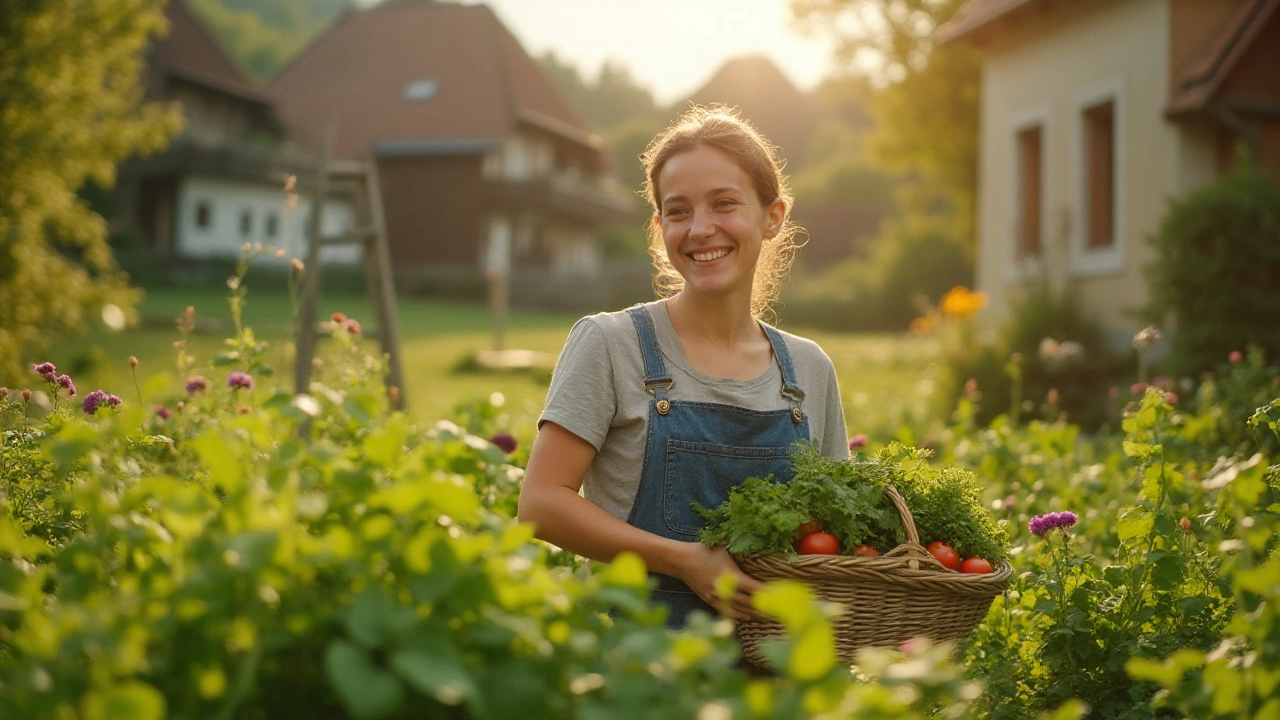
(775, 216)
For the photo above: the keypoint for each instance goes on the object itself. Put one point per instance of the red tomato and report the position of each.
(819, 543)
(867, 551)
(812, 526)
(975, 565)
(945, 554)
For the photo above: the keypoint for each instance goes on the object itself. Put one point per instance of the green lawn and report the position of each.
(884, 378)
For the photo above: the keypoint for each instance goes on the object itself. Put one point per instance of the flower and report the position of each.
(1146, 337)
(239, 379)
(1235, 357)
(504, 441)
(338, 318)
(857, 441)
(65, 382)
(51, 378)
(163, 412)
(353, 326)
(961, 302)
(1042, 524)
(1138, 388)
(1185, 523)
(26, 396)
(197, 383)
(44, 368)
(95, 399)
(133, 361)
(1171, 398)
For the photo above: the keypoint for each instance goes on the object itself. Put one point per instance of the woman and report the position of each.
(676, 401)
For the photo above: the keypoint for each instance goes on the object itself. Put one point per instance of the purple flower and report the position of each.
(197, 383)
(1042, 524)
(857, 441)
(44, 368)
(163, 412)
(504, 441)
(65, 381)
(53, 379)
(238, 379)
(92, 401)
(113, 401)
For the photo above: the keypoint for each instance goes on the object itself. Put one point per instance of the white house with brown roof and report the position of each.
(484, 164)
(1095, 113)
(220, 183)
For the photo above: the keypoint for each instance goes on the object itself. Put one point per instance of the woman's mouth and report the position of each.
(709, 255)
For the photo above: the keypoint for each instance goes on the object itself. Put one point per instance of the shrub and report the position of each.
(1217, 269)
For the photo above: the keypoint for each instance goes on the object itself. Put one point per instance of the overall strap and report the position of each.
(656, 378)
(790, 389)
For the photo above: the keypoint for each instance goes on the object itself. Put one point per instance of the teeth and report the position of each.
(713, 255)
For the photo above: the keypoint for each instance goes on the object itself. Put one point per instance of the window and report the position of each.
(273, 225)
(1099, 175)
(204, 214)
(1030, 219)
(246, 223)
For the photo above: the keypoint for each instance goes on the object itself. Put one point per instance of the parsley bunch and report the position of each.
(847, 499)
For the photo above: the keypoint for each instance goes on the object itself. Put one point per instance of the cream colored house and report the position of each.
(1095, 113)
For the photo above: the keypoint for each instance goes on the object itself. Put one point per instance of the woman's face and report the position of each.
(713, 223)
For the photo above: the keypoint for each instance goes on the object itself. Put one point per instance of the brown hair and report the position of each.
(721, 128)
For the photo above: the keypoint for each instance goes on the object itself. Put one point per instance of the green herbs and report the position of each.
(847, 499)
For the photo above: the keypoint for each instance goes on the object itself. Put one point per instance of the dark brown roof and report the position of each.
(1204, 76)
(485, 83)
(190, 52)
(977, 14)
(766, 97)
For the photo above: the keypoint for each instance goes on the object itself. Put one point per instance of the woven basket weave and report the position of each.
(886, 600)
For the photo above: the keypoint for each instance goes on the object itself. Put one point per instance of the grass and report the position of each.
(885, 379)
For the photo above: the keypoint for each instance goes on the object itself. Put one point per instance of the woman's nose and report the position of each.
(701, 226)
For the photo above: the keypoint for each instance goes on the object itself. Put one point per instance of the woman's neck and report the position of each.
(721, 321)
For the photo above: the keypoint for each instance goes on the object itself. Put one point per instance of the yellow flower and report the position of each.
(961, 302)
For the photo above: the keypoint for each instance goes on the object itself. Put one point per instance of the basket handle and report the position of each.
(909, 522)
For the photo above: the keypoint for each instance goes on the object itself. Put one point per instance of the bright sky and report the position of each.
(670, 46)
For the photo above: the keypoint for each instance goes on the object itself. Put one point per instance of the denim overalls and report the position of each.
(698, 451)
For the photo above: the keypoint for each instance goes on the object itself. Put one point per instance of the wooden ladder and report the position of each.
(359, 181)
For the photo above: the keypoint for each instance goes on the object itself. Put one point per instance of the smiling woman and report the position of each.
(677, 401)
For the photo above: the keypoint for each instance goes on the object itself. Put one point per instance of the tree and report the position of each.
(926, 97)
(71, 107)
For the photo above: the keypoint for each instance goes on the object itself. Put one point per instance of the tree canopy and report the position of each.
(71, 108)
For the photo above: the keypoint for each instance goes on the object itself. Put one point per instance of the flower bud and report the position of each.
(133, 361)
(26, 396)
(1186, 524)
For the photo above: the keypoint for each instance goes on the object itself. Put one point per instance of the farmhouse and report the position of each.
(1095, 113)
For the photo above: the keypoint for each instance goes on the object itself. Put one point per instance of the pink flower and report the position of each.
(197, 383)
(163, 412)
(96, 399)
(504, 441)
(238, 379)
(1235, 357)
(1042, 524)
(45, 368)
(65, 382)
(1171, 398)
(857, 441)
(1138, 388)
(353, 326)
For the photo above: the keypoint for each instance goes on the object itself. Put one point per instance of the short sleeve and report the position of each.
(582, 398)
(835, 439)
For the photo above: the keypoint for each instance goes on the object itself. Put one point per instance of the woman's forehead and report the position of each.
(701, 170)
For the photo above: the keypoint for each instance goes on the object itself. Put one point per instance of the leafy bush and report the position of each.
(1217, 260)
(919, 258)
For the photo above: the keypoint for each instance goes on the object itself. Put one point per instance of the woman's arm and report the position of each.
(549, 500)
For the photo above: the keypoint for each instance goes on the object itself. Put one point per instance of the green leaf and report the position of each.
(71, 443)
(813, 653)
(384, 447)
(435, 670)
(788, 601)
(223, 359)
(366, 691)
(1139, 450)
(131, 700)
(627, 570)
(1136, 522)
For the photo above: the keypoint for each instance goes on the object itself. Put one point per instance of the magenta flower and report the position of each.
(197, 383)
(504, 441)
(857, 441)
(96, 399)
(51, 378)
(65, 382)
(1042, 524)
(1235, 357)
(44, 368)
(163, 412)
(353, 326)
(238, 379)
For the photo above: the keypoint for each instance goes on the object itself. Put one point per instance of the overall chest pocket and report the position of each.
(704, 473)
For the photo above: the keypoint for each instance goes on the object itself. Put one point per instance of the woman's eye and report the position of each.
(723, 204)
(675, 212)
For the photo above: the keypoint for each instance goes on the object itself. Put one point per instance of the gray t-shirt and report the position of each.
(597, 393)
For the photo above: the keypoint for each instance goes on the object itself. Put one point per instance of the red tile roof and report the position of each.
(977, 14)
(189, 51)
(1202, 77)
(358, 70)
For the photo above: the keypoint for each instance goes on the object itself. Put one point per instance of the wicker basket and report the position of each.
(887, 600)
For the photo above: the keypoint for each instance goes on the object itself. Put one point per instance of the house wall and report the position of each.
(227, 203)
(434, 209)
(214, 118)
(1048, 72)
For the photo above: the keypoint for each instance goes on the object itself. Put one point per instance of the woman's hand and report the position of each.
(700, 567)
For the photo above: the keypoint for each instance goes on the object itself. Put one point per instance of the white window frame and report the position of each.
(1019, 269)
(1086, 261)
